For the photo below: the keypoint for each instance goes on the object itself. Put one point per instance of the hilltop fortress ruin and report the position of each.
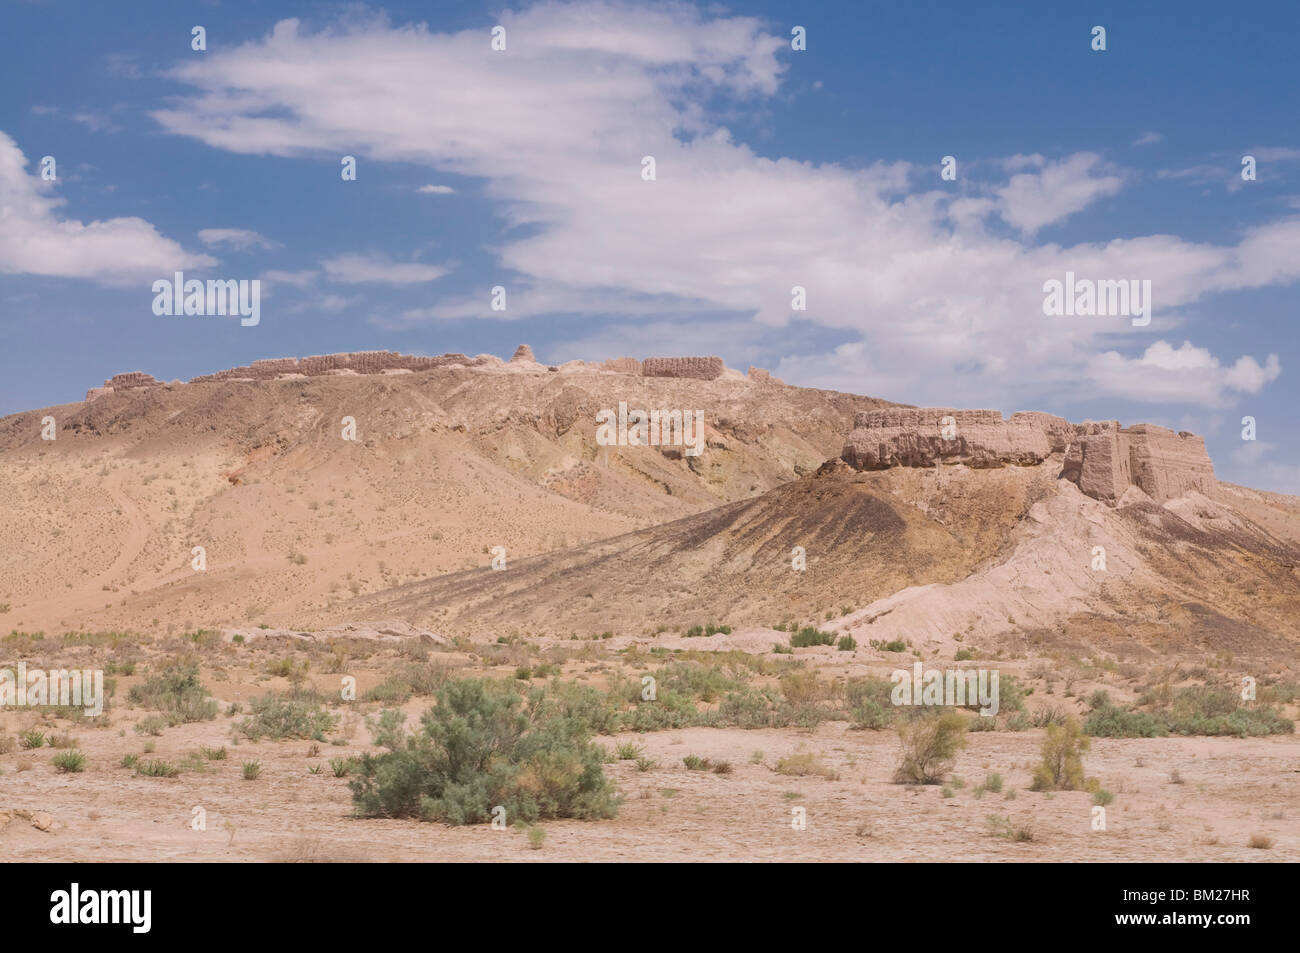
(391, 362)
(1102, 458)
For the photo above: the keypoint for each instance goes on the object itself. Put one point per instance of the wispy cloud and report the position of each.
(357, 269)
(913, 280)
(239, 239)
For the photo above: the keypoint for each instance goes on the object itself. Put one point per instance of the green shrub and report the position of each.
(1109, 721)
(869, 703)
(416, 678)
(213, 754)
(930, 743)
(287, 716)
(846, 643)
(70, 762)
(1194, 710)
(694, 762)
(177, 691)
(811, 635)
(482, 745)
(31, 738)
(156, 768)
(252, 770)
(1062, 766)
(1005, 828)
(152, 725)
(880, 645)
(342, 767)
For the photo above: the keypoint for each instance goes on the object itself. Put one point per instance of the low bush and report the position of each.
(177, 691)
(929, 746)
(287, 716)
(482, 745)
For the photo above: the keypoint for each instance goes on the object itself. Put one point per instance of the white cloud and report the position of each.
(936, 306)
(236, 238)
(1186, 374)
(296, 279)
(436, 190)
(1148, 139)
(34, 240)
(1056, 191)
(355, 269)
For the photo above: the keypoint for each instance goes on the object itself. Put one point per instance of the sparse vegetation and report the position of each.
(930, 743)
(178, 692)
(1061, 768)
(287, 716)
(810, 635)
(69, 762)
(484, 744)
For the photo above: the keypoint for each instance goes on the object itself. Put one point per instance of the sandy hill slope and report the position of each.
(100, 524)
(999, 558)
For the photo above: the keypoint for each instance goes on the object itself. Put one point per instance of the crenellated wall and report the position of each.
(917, 437)
(700, 368)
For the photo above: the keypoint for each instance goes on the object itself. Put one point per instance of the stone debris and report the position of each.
(762, 375)
(41, 820)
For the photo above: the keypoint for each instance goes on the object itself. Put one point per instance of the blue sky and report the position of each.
(774, 168)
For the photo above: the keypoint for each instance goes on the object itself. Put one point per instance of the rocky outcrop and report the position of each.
(699, 368)
(524, 353)
(762, 375)
(1105, 460)
(920, 437)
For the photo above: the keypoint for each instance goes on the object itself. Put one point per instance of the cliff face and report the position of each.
(1103, 459)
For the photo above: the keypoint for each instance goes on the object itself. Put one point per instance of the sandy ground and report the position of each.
(1231, 789)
